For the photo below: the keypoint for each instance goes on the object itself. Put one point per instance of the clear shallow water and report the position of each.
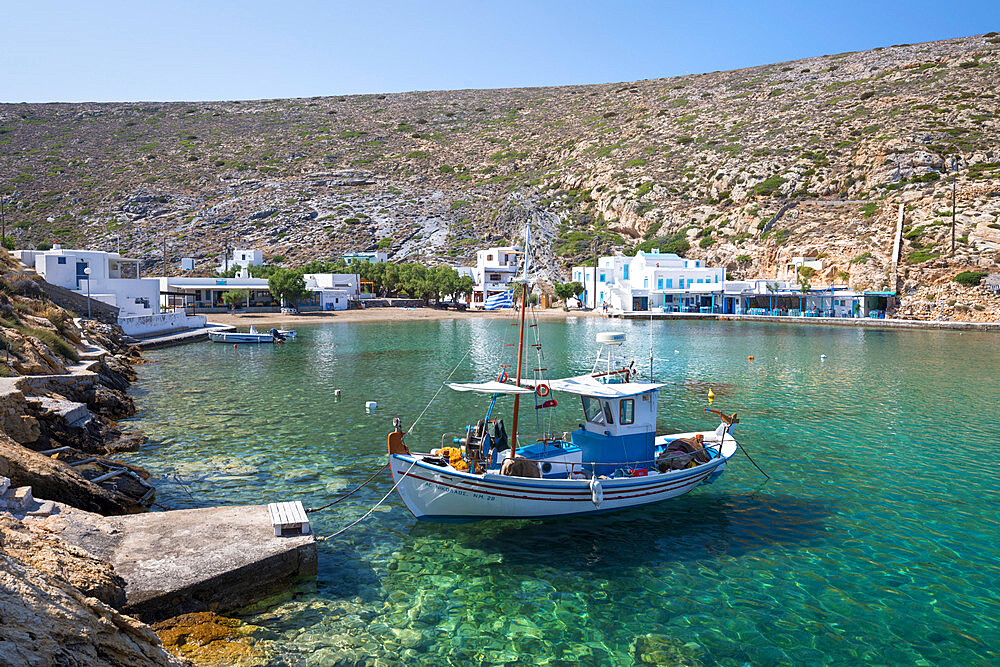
(876, 541)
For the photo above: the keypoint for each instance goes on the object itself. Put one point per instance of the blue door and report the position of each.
(80, 275)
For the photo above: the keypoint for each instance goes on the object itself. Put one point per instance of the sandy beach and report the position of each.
(379, 315)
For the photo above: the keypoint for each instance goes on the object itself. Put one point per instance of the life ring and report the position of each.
(503, 377)
(542, 390)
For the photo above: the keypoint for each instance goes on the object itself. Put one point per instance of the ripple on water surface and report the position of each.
(875, 541)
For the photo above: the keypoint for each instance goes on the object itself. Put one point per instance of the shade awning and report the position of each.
(588, 385)
(491, 387)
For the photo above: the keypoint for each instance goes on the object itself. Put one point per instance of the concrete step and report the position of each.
(73, 413)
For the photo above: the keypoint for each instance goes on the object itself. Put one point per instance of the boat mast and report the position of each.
(520, 348)
(520, 345)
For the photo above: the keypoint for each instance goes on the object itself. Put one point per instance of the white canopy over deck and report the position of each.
(491, 387)
(588, 385)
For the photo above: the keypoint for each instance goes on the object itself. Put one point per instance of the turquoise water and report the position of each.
(876, 541)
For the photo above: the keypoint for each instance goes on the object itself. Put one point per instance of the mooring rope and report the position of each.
(369, 512)
(752, 461)
(349, 493)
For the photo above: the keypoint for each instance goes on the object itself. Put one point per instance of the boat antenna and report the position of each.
(520, 345)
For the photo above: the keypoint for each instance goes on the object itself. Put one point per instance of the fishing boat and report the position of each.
(614, 460)
(252, 336)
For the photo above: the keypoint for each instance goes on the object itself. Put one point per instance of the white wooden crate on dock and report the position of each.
(289, 519)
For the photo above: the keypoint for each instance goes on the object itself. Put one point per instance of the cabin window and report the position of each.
(592, 410)
(626, 414)
(607, 412)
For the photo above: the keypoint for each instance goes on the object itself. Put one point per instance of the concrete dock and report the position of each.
(213, 559)
(180, 337)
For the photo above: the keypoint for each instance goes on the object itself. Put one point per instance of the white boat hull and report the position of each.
(434, 493)
(238, 337)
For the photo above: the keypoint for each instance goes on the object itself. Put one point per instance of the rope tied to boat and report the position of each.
(349, 493)
(369, 512)
(752, 461)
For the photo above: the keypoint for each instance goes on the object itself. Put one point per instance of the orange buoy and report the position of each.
(750, 358)
(234, 346)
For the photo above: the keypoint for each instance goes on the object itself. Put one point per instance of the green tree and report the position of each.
(287, 285)
(466, 286)
(234, 297)
(564, 292)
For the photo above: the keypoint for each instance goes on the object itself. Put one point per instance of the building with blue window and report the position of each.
(651, 281)
(111, 279)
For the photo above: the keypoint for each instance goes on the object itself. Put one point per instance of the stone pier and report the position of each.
(213, 559)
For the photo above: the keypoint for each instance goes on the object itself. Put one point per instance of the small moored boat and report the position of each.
(252, 336)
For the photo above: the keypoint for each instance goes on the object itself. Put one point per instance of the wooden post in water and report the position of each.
(520, 348)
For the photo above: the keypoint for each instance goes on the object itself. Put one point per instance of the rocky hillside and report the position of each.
(744, 168)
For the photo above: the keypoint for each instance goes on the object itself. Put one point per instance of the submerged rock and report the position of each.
(207, 638)
(653, 649)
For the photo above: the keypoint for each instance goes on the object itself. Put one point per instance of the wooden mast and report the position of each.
(520, 348)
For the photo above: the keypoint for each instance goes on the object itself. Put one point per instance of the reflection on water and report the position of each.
(874, 542)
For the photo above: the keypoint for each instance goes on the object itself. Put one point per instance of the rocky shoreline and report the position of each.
(62, 391)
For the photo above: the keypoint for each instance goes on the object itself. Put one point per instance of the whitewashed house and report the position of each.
(112, 279)
(324, 291)
(335, 290)
(242, 258)
(494, 270)
(651, 281)
(375, 257)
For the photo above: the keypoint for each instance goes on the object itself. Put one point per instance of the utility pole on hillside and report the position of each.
(3, 222)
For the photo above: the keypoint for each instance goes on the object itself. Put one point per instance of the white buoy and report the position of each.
(677, 351)
(370, 406)
(336, 393)
(822, 356)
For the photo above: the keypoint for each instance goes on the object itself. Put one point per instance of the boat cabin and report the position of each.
(619, 427)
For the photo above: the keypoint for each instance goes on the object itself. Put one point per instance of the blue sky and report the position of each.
(95, 50)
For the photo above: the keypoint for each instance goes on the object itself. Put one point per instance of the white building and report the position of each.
(494, 270)
(324, 291)
(335, 289)
(375, 257)
(187, 263)
(207, 293)
(112, 279)
(242, 258)
(763, 296)
(651, 281)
